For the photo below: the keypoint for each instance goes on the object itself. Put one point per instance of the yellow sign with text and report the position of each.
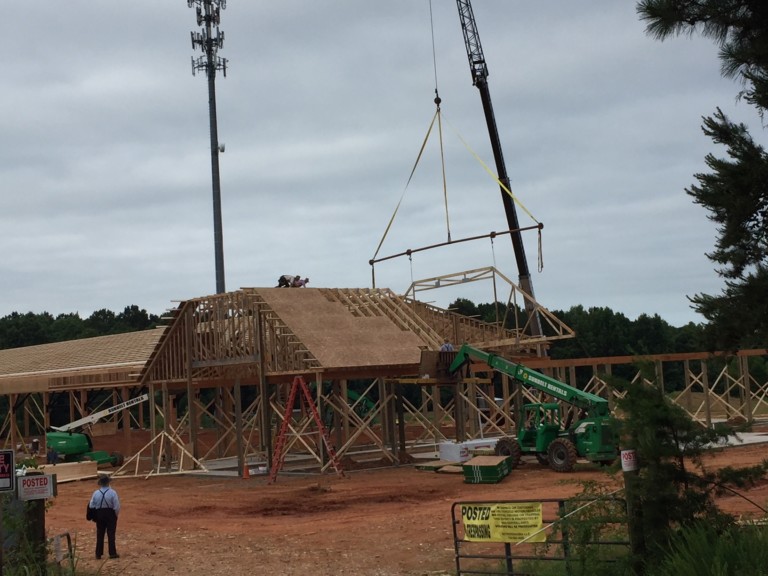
(511, 522)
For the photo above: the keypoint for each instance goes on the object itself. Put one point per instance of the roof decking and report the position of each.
(338, 337)
(89, 362)
(339, 332)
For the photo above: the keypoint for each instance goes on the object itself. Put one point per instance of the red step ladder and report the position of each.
(278, 458)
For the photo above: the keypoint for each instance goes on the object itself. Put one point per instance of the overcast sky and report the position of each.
(106, 172)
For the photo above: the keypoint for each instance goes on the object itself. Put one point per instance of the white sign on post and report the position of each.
(37, 487)
(628, 460)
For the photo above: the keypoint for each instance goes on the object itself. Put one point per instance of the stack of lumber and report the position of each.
(486, 469)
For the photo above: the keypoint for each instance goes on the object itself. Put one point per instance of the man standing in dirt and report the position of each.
(107, 505)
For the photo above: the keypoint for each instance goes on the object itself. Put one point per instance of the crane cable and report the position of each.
(493, 174)
(439, 124)
(515, 199)
(410, 177)
(437, 117)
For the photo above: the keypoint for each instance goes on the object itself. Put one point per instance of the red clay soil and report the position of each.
(394, 521)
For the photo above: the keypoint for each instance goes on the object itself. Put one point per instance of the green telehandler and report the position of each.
(592, 436)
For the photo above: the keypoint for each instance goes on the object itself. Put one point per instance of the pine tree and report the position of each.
(736, 191)
(674, 488)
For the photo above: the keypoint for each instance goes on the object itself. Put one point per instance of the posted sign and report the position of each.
(7, 471)
(628, 460)
(510, 522)
(36, 487)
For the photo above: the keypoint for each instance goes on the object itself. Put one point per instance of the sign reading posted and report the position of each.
(36, 487)
(510, 522)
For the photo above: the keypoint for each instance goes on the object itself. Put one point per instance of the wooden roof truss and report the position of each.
(521, 336)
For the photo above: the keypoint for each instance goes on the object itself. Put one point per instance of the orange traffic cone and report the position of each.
(246, 472)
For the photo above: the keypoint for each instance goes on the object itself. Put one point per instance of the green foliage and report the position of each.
(603, 332)
(702, 550)
(738, 27)
(736, 195)
(600, 331)
(464, 307)
(21, 556)
(596, 527)
(30, 329)
(735, 192)
(674, 488)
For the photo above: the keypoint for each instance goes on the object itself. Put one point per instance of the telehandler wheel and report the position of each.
(117, 459)
(542, 458)
(508, 446)
(562, 455)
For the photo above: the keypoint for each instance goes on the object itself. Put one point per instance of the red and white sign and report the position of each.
(628, 460)
(35, 487)
(7, 471)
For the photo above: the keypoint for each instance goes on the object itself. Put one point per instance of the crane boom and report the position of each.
(479, 70)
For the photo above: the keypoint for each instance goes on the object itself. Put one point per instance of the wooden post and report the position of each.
(46, 411)
(165, 456)
(400, 421)
(321, 448)
(192, 408)
(659, 375)
(631, 471)
(507, 401)
(459, 411)
(2, 536)
(265, 423)
(518, 401)
(26, 418)
(746, 390)
(340, 420)
(241, 456)
(126, 418)
(707, 402)
(152, 424)
(34, 512)
(12, 420)
(472, 423)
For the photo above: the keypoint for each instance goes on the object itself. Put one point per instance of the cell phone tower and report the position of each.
(208, 17)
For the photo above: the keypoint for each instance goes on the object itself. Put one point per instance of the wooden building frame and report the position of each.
(222, 366)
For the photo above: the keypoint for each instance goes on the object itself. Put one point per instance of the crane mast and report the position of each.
(479, 71)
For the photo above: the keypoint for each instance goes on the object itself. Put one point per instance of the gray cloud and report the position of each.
(105, 161)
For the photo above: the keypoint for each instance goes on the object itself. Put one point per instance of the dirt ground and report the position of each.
(386, 522)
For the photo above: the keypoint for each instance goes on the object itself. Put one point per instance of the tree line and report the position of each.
(599, 331)
(29, 329)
